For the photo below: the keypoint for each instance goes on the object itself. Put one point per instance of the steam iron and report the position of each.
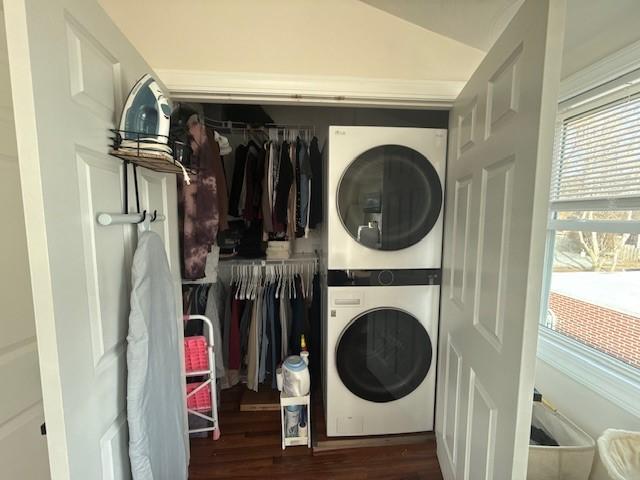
(146, 117)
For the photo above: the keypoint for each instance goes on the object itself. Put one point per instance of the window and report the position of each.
(592, 298)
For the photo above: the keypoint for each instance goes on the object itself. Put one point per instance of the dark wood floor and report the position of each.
(249, 448)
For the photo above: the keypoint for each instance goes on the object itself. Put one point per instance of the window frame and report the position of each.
(609, 377)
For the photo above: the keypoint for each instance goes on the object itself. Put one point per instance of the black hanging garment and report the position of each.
(315, 333)
(297, 319)
(315, 157)
(297, 229)
(237, 181)
(283, 187)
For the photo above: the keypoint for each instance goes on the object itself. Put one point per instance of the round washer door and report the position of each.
(389, 197)
(383, 355)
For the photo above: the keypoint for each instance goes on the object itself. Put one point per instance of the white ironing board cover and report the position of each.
(155, 398)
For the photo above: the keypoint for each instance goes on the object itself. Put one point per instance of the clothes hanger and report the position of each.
(249, 284)
(280, 281)
(303, 282)
(256, 282)
(238, 282)
(246, 282)
(285, 283)
(243, 283)
(247, 288)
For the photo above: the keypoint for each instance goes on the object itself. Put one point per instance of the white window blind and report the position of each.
(597, 153)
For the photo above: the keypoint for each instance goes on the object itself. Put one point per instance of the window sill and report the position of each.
(611, 379)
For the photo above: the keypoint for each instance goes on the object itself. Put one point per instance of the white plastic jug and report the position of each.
(295, 377)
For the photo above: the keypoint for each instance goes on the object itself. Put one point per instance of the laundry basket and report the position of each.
(618, 456)
(571, 459)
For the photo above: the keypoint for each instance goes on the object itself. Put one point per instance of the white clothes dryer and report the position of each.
(385, 195)
(380, 359)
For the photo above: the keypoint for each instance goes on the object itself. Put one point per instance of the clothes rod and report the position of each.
(126, 218)
(266, 261)
(255, 126)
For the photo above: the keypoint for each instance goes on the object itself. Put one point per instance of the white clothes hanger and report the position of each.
(247, 280)
(256, 281)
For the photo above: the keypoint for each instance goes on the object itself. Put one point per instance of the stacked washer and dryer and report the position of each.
(382, 251)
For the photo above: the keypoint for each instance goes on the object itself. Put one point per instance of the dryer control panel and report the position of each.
(383, 278)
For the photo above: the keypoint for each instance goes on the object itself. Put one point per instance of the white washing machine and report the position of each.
(385, 195)
(380, 359)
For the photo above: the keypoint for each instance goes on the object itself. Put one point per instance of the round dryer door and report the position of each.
(389, 197)
(383, 355)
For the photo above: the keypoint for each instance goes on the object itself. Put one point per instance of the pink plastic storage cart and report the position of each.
(200, 362)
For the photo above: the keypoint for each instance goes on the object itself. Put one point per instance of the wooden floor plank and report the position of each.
(250, 449)
(264, 400)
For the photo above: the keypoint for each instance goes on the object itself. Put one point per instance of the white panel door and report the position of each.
(70, 69)
(23, 450)
(501, 135)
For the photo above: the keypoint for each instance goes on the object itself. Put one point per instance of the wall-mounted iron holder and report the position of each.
(132, 148)
(159, 153)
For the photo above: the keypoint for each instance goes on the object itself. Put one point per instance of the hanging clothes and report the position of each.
(254, 171)
(214, 140)
(293, 196)
(315, 331)
(298, 204)
(234, 332)
(304, 189)
(274, 172)
(198, 213)
(257, 321)
(264, 338)
(267, 220)
(245, 322)
(253, 357)
(315, 206)
(283, 185)
(297, 320)
(237, 181)
(223, 143)
(212, 312)
(198, 295)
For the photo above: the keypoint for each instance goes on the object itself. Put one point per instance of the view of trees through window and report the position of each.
(594, 291)
(598, 251)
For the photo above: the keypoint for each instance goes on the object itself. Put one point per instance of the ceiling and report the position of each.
(476, 23)
(594, 29)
